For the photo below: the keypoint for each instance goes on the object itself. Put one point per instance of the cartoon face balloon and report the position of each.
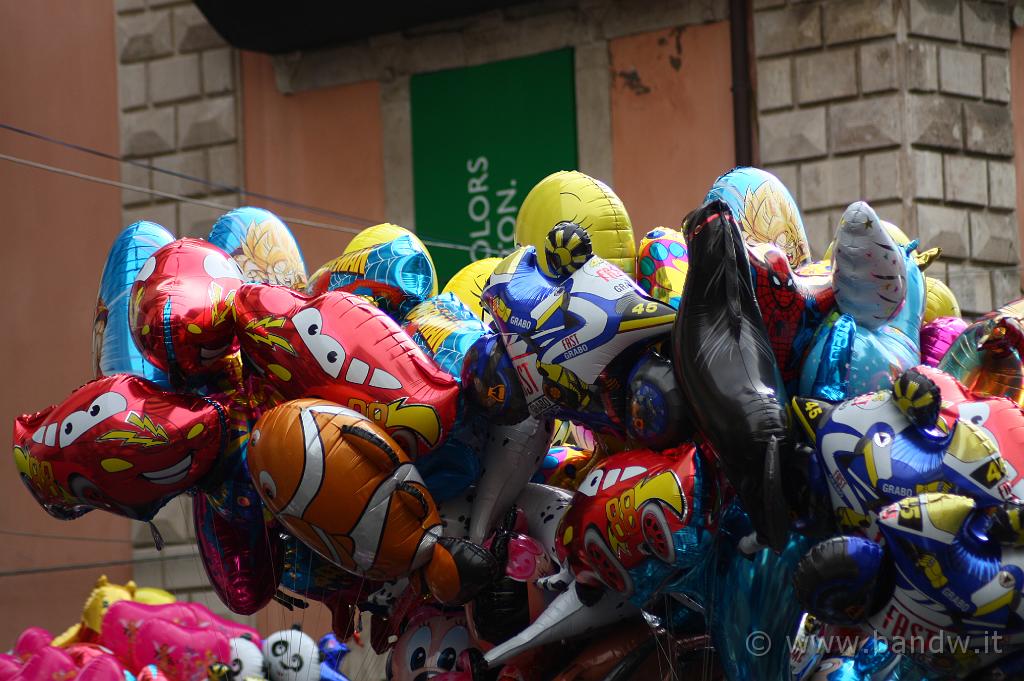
(262, 245)
(430, 645)
(636, 510)
(572, 195)
(117, 443)
(113, 350)
(291, 656)
(246, 660)
(180, 311)
(766, 211)
(336, 481)
(340, 347)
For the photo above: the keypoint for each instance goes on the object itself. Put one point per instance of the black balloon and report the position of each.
(725, 365)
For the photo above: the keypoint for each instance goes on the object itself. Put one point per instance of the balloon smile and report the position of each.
(209, 355)
(171, 475)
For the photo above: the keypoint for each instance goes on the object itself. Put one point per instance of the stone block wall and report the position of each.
(178, 99)
(179, 110)
(904, 103)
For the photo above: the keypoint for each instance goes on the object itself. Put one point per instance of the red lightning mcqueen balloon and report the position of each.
(998, 417)
(339, 347)
(180, 309)
(118, 443)
(625, 512)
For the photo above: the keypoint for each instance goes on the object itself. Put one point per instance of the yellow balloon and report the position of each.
(572, 196)
(103, 595)
(661, 265)
(151, 595)
(378, 234)
(468, 283)
(940, 301)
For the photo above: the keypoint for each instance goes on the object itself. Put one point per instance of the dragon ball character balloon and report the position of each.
(766, 211)
(339, 483)
(262, 245)
(572, 196)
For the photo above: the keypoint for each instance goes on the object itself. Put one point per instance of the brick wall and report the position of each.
(179, 111)
(178, 102)
(904, 103)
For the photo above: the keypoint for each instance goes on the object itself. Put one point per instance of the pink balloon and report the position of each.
(84, 653)
(31, 641)
(49, 664)
(205, 618)
(124, 619)
(937, 336)
(102, 668)
(9, 666)
(239, 558)
(182, 653)
(150, 673)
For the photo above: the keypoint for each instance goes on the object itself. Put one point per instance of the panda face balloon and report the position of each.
(291, 656)
(246, 661)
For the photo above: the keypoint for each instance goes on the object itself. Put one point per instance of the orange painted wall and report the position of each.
(324, 149)
(321, 148)
(672, 131)
(58, 69)
(1017, 111)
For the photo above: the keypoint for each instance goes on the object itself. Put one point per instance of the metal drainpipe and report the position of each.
(739, 17)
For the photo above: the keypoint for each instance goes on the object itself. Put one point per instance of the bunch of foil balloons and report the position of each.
(705, 455)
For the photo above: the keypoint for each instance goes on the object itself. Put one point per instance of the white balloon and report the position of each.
(246, 660)
(291, 656)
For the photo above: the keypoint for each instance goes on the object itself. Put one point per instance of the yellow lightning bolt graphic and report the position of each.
(266, 336)
(152, 433)
(218, 311)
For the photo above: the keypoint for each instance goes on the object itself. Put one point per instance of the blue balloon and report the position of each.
(262, 245)
(332, 652)
(113, 350)
(847, 358)
(446, 329)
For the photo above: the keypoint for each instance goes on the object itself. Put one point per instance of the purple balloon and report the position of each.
(937, 336)
(240, 558)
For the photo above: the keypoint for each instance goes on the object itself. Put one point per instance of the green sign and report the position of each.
(482, 136)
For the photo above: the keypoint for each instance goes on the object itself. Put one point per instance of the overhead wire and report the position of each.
(362, 222)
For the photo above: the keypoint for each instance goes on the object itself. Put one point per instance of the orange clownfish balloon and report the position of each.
(340, 347)
(339, 483)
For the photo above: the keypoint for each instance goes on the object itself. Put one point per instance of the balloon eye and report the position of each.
(313, 328)
(418, 659)
(94, 410)
(67, 429)
(882, 439)
(279, 648)
(446, 660)
(332, 356)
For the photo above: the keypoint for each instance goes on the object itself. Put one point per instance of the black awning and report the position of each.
(278, 27)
